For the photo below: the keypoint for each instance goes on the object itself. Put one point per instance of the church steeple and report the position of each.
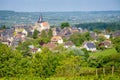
(40, 20)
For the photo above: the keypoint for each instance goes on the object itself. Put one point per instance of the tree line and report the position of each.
(100, 26)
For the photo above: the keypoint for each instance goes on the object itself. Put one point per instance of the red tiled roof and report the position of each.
(45, 24)
(50, 45)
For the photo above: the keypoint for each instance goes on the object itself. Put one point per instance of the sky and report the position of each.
(59, 5)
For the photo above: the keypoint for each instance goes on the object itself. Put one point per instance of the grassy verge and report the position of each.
(100, 77)
(106, 52)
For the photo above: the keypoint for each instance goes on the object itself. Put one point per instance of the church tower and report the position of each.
(40, 20)
(41, 25)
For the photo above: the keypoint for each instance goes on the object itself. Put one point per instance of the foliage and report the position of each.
(117, 47)
(106, 58)
(46, 35)
(78, 38)
(64, 24)
(3, 27)
(35, 34)
(66, 63)
(116, 43)
(101, 38)
(100, 26)
(8, 61)
(24, 49)
(69, 66)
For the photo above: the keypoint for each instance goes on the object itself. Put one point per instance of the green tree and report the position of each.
(45, 63)
(101, 38)
(46, 35)
(117, 47)
(3, 27)
(35, 34)
(87, 36)
(69, 66)
(24, 49)
(78, 38)
(49, 34)
(9, 60)
(116, 43)
(43, 34)
(64, 24)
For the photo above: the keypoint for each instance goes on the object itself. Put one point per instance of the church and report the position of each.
(41, 25)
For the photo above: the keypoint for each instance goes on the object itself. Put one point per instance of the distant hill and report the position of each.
(11, 18)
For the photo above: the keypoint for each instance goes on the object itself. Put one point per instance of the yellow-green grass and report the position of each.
(106, 52)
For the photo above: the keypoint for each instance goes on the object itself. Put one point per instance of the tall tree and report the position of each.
(3, 27)
(116, 43)
(35, 34)
(64, 24)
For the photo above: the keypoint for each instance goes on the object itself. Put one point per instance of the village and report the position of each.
(20, 33)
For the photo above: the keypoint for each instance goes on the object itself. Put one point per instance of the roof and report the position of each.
(45, 24)
(50, 45)
(91, 45)
(69, 43)
(105, 43)
(8, 32)
(1, 31)
(56, 38)
(116, 34)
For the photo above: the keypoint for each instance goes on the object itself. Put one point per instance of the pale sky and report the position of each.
(59, 5)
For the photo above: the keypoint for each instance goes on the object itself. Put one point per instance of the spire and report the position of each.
(40, 19)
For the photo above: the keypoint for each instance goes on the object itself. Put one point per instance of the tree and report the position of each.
(49, 35)
(46, 35)
(24, 49)
(101, 38)
(43, 34)
(9, 60)
(116, 43)
(86, 54)
(78, 38)
(3, 27)
(35, 34)
(87, 36)
(117, 47)
(64, 24)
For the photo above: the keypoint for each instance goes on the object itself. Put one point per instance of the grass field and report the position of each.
(107, 77)
(106, 52)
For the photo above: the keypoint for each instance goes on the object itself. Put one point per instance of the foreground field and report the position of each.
(108, 77)
(106, 52)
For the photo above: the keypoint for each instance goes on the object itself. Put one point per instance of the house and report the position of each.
(116, 34)
(89, 46)
(66, 32)
(18, 38)
(54, 32)
(7, 42)
(7, 36)
(50, 46)
(74, 29)
(41, 25)
(94, 36)
(20, 29)
(15, 42)
(107, 36)
(57, 39)
(1, 37)
(106, 44)
(68, 44)
(34, 49)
